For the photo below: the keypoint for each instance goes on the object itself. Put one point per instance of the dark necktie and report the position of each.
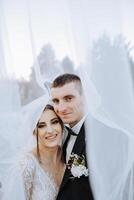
(70, 131)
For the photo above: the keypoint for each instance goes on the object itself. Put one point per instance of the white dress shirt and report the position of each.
(71, 142)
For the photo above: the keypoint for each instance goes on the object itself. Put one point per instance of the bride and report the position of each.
(38, 173)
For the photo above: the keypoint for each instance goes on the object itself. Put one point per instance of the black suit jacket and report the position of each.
(76, 188)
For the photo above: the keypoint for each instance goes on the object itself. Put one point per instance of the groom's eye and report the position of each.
(69, 98)
(55, 101)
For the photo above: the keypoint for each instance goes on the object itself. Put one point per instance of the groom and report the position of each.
(68, 102)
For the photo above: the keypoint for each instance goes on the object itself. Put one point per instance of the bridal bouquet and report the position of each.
(76, 164)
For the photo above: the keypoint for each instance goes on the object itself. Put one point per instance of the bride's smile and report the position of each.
(51, 137)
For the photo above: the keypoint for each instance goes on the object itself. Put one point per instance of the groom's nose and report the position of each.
(61, 107)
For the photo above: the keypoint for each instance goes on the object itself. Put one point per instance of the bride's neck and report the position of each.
(50, 155)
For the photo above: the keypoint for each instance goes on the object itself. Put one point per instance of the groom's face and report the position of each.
(68, 103)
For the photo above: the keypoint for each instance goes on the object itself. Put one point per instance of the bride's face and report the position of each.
(49, 129)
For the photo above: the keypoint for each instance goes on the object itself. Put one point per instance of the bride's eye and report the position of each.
(41, 125)
(56, 121)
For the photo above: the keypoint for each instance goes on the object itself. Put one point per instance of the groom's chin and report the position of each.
(65, 120)
(68, 121)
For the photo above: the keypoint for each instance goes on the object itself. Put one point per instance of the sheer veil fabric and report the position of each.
(107, 81)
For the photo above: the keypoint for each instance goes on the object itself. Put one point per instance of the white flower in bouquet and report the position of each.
(78, 171)
(76, 164)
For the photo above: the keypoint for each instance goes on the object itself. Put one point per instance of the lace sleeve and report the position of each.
(28, 168)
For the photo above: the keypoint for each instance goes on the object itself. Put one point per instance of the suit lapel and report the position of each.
(77, 149)
(66, 176)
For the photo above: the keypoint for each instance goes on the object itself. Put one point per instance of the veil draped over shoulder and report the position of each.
(87, 34)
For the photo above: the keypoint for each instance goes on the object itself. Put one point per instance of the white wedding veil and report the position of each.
(89, 33)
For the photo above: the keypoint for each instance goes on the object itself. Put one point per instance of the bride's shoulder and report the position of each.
(27, 162)
(27, 169)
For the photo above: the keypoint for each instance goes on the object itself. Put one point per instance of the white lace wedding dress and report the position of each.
(30, 181)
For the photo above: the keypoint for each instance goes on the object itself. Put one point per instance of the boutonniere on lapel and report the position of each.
(76, 165)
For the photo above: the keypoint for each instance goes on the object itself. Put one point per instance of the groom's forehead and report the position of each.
(67, 89)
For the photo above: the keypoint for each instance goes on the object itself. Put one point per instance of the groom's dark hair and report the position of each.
(67, 78)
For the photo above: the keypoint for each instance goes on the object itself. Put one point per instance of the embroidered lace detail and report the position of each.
(38, 183)
(28, 170)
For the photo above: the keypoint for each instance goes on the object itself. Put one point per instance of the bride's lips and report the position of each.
(51, 137)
